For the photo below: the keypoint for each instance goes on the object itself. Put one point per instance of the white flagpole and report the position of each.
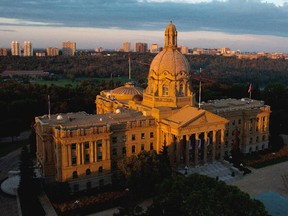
(200, 90)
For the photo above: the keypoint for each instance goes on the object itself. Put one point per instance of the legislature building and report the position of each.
(79, 148)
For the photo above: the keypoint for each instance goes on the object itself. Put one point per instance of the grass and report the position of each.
(75, 82)
(7, 147)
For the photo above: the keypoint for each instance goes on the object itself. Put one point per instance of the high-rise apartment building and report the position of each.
(28, 51)
(154, 48)
(126, 46)
(183, 49)
(52, 51)
(15, 48)
(3, 52)
(68, 48)
(140, 47)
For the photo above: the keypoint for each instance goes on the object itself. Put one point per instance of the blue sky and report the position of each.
(248, 25)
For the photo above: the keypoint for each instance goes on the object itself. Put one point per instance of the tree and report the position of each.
(164, 163)
(28, 189)
(201, 195)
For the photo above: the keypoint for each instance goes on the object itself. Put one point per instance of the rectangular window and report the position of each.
(114, 140)
(73, 154)
(133, 137)
(133, 149)
(99, 150)
(99, 156)
(151, 135)
(124, 138)
(99, 143)
(86, 150)
(142, 147)
(124, 150)
(114, 151)
(142, 135)
(151, 146)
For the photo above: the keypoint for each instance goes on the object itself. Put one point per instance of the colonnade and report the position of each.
(196, 148)
(98, 150)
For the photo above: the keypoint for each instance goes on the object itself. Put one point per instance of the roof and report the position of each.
(226, 105)
(128, 89)
(82, 119)
(194, 116)
(170, 63)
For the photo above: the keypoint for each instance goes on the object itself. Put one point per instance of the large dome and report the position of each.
(169, 76)
(170, 63)
(126, 92)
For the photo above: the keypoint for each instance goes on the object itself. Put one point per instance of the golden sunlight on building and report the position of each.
(81, 148)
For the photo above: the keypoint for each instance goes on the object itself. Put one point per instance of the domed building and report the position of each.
(168, 78)
(79, 148)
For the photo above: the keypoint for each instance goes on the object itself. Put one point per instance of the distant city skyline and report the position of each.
(247, 25)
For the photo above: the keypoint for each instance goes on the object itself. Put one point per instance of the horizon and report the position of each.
(245, 25)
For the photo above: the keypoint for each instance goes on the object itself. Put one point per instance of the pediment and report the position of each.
(191, 116)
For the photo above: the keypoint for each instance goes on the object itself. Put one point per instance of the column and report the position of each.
(68, 148)
(91, 152)
(78, 148)
(64, 158)
(95, 151)
(82, 153)
(196, 148)
(104, 147)
(108, 152)
(187, 150)
(178, 149)
(205, 147)
(213, 144)
(222, 144)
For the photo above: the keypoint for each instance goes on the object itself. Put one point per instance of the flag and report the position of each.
(250, 88)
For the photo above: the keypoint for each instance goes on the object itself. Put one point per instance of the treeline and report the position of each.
(260, 71)
(21, 102)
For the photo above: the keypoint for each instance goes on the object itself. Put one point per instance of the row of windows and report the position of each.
(88, 185)
(133, 137)
(133, 149)
(251, 121)
(88, 172)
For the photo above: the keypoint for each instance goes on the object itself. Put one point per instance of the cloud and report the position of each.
(231, 16)
(11, 21)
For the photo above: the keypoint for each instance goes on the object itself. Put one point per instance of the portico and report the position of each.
(194, 136)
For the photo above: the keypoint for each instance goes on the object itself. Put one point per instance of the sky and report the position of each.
(245, 25)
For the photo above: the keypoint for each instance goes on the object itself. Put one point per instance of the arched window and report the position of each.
(165, 90)
(181, 90)
(88, 172)
(75, 175)
(100, 169)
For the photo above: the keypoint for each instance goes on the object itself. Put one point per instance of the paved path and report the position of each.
(9, 162)
(221, 170)
(267, 179)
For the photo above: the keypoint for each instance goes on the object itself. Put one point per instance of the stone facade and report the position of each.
(81, 148)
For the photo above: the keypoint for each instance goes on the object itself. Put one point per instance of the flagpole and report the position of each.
(200, 88)
(49, 114)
